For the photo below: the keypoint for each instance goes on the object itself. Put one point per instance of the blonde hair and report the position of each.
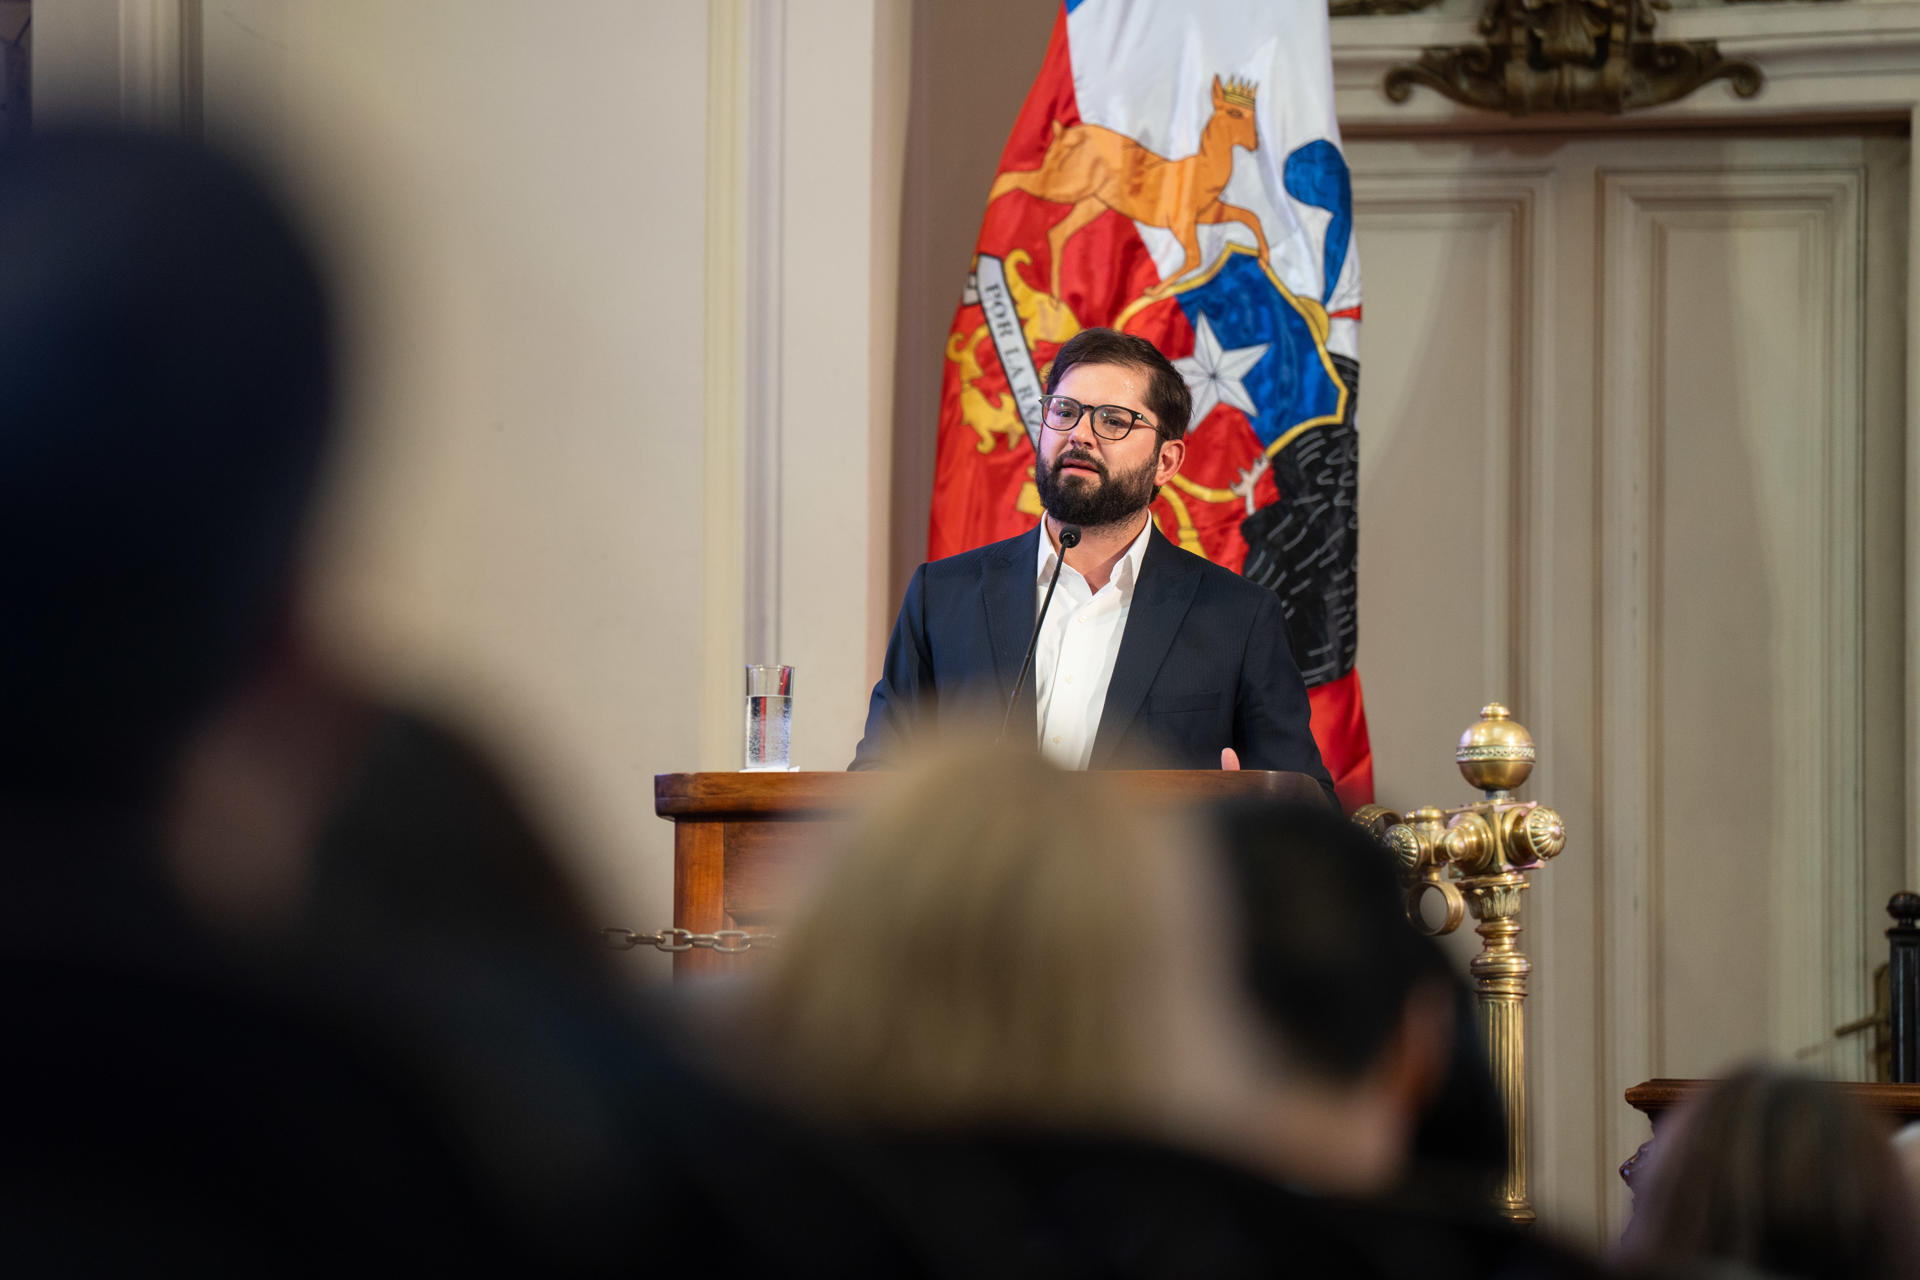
(1004, 943)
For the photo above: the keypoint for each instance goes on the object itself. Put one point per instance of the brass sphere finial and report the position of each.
(1496, 754)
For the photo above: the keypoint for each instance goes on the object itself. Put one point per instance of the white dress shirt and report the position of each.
(1073, 662)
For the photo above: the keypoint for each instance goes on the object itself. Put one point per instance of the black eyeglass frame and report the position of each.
(1139, 419)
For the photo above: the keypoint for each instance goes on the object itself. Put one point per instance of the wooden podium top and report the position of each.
(811, 794)
(735, 834)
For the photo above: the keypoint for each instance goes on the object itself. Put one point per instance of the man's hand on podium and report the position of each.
(1229, 758)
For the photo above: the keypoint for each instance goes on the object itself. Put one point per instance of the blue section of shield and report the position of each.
(1316, 174)
(1074, 4)
(1291, 383)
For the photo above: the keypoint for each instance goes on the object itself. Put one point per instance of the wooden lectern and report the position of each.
(736, 835)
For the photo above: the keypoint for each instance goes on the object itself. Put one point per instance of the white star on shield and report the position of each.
(1214, 375)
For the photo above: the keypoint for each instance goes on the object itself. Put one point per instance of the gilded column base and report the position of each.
(1475, 858)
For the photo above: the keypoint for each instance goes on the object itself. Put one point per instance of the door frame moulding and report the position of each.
(1823, 63)
(1513, 534)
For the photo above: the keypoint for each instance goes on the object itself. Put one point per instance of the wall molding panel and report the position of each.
(1507, 208)
(1810, 221)
(1653, 530)
(1836, 65)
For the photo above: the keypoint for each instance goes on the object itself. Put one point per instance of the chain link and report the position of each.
(726, 942)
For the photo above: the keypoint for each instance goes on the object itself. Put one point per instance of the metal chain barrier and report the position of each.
(726, 942)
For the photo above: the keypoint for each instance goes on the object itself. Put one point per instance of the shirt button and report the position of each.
(1069, 679)
(1056, 739)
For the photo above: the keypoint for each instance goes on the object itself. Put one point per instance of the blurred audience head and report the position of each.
(167, 360)
(1906, 1147)
(1778, 1174)
(1361, 1010)
(1001, 944)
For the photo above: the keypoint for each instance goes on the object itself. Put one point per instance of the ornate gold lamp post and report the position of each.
(1476, 858)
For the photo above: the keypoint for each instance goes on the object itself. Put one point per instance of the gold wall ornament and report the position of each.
(1568, 56)
(1476, 858)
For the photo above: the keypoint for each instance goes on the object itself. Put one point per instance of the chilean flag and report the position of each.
(1176, 173)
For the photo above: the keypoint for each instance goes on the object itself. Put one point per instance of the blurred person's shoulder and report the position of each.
(265, 1111)
(1083, 1204)
(1442, 1245)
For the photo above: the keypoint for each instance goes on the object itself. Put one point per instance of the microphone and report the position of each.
(1069, 539)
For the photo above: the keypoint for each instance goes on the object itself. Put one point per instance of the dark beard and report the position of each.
(1111, 500)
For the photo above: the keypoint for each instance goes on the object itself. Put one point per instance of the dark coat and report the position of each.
(1065, 1206)
(1204, 664)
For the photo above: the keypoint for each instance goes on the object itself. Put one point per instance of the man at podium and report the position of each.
(1142, 655)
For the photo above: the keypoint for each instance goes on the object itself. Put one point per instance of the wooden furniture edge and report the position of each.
(818, 792)
(1652, 1097)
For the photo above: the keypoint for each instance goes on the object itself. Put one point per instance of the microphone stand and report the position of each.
(1069, 539)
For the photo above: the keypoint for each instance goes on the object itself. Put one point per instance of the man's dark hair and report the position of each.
(1167, 396)
(1330, 963)
(1329, 956)
(167, 370)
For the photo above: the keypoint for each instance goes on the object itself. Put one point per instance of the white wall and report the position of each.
(517, 529)
(543, 215)
(76, 56)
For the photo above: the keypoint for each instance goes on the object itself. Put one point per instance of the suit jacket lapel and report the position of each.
(1168, 579)
(1006, 591)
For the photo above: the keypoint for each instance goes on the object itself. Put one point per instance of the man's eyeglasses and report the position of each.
(1110, 421)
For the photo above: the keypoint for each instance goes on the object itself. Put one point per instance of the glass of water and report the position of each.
(769, 718)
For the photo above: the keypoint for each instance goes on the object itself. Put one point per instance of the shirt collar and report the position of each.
(1125, 574)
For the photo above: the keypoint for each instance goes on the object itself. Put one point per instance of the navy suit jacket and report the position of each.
(1204, 664)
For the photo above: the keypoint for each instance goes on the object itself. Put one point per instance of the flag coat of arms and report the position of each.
(1176, 173)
